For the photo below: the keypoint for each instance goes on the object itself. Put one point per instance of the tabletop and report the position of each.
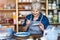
(32, 37)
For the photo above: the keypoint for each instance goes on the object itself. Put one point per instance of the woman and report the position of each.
(36, 22)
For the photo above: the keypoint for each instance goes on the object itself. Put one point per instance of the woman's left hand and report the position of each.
(41, 26)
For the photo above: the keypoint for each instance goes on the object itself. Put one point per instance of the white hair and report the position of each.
(36, 5)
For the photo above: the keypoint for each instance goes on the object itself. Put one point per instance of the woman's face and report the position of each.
(36, 12)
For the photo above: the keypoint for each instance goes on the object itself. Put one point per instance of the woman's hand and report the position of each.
(28, 22)
(41, 26)
(27, 25)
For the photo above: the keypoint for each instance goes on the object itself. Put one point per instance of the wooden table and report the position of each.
(29, 37)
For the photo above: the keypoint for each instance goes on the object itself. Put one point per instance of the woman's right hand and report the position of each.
(28, 22)
(27, 25)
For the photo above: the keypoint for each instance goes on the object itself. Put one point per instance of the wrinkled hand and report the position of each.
(41, 26)
(28, 22)
(27, 25)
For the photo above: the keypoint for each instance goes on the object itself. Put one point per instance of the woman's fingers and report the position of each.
(41, 26)
(28, 22)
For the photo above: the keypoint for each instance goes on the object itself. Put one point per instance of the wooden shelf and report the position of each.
(53, 9)
(29, 2)
(29, 10)
(20, 24)
(7, 9)
(54, 23)
(3, 23)
(58, 9)
(50, 1)
(21, 17)
(23, 10)
(7, 24)
(24, 2)
(42, 2)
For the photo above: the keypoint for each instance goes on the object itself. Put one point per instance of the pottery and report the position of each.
(24, 13)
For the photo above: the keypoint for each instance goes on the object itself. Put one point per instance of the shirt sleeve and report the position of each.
(27, 17)
(45, 22)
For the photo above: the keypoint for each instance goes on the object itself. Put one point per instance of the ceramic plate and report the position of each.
(22, 34)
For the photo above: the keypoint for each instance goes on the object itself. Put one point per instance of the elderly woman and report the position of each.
(36, 22)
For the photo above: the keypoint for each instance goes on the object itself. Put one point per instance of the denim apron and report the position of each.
(35, 29)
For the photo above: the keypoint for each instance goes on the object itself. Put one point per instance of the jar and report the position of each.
(49, 6)
(50, 17)
(54, 5)
(55, 19)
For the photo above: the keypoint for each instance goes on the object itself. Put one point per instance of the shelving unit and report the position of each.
(7, 7)
(55, 24)
(22, 7)
(54, 9)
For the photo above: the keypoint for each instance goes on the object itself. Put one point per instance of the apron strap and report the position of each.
(41, 18)
(31, 18)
